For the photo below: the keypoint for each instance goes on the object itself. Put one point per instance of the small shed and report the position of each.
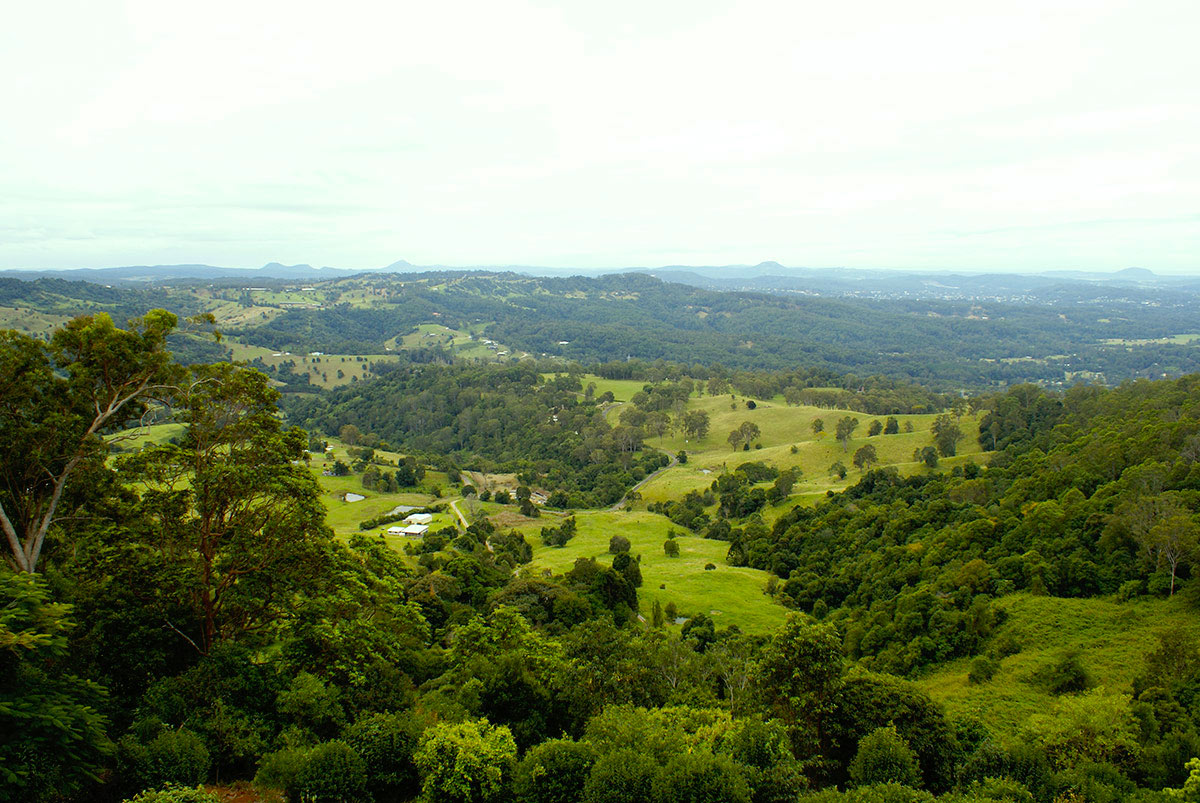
(395, 530)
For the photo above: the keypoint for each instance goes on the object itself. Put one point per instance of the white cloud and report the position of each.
(924, 134)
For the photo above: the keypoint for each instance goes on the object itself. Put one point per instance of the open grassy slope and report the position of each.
(1110, 637)
(322, 370)
(467, 343)
(343, 517)
(133, 439)
(727, 594)
(783, 428)
(30, 321)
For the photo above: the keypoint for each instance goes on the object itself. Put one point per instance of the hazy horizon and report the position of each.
(932, 136)
(562, 269)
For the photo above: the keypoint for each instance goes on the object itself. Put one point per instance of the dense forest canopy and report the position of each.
(502, 417)
(1115, 335)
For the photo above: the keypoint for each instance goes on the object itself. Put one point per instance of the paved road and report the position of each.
(463, 520)
(457, 512)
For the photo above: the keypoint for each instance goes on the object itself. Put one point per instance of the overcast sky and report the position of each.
(960, 135)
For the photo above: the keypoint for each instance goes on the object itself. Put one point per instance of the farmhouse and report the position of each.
(419, 518)
(412, 530)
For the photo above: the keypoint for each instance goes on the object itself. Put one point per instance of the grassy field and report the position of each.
(29, 321)
(468, 344)
(231, 313)
(727, 594)
(782, 429)
(322, 370)
(622, 389)
(1110, 637)
(343, 517)
(132, 439)
(1172, 340)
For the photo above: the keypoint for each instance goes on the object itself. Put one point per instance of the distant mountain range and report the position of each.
(768, 277)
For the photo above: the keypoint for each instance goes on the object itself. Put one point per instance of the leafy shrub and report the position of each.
(175, 794)
(701, 777)
(998, 790)
(889, 793)
(311, 704)
(879, 793)
(1065, 676)
(1090, 781)
(884, 757)
(471, 762)
(1020, 763)
(386, 743)
(1130, 589)
(1007, 642)
(560, 535)
(554, 772)
(982, 670)
(171, 757)
(1159, 583)
(279, 770)
(619, 777)
(332, 773)
(618, 543)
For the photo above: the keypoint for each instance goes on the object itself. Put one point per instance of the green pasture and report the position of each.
(727, 594)
(458, 341)
(1111, 639)
(1170, 340)
(231, 313)
(133, 439)
(784, 427)
(343, 517)
(29, 321)
(622, 389)
(322, 369)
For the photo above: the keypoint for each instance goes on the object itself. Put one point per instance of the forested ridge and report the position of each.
(181, 613)
(502, 417)
(621, 316)
(614, 317)
(1093, 493)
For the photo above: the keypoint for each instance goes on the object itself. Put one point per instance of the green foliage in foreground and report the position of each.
(175, 794)
(53, 736)
(237, 639)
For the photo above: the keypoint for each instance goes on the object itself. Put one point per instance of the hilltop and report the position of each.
(1104, 335)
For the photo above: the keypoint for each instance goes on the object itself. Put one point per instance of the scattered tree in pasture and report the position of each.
(865, 457)
(695, 424)
(946, 435)
(845, 431)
